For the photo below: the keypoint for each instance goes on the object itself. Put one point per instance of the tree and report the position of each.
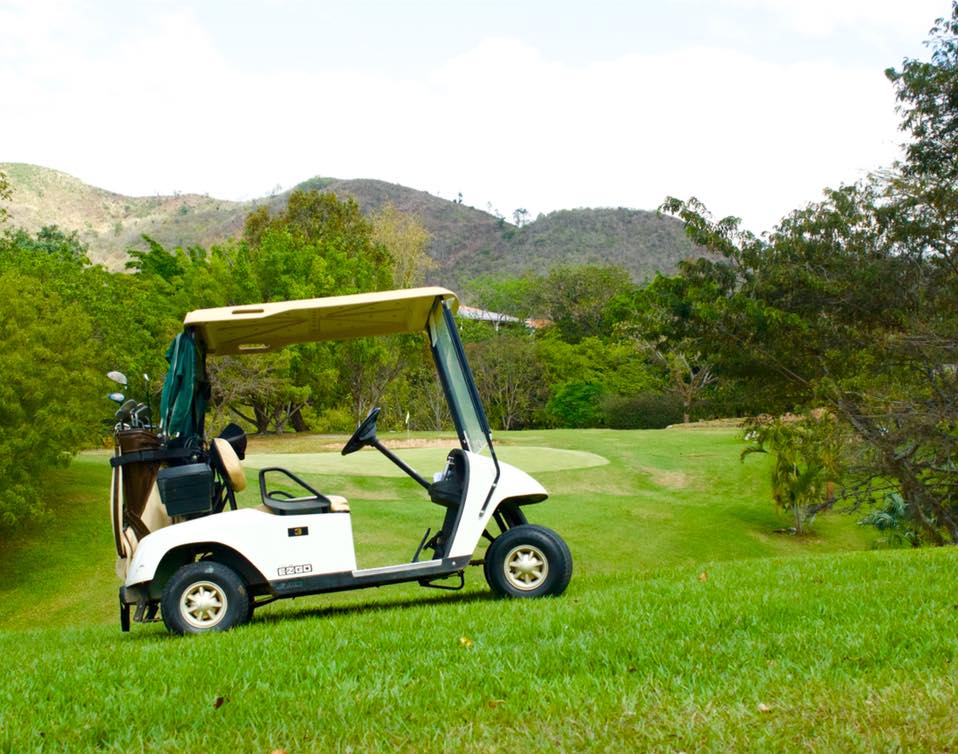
(317, 246)
(131, 318)
(509, 379)
(577, 404)
(369, 366)
(64, 324)
(850, 304)
(256, 388)
(50, 246)
(406, 239)
(157, 262)
(576, 299)
(512, 296)
(589, 379)
(6, 192)
(807, 462)
(834, 305)
(46, 389)
(427, 403)
(689, 376)
(927, 93)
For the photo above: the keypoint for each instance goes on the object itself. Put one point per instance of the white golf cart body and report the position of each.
(281, 552)
(312, 553)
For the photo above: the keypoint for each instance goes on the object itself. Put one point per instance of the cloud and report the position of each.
(825, 17)
(748, 137)
(159, 109)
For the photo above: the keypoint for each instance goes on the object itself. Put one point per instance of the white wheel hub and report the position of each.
(203, 604)
(526, 567)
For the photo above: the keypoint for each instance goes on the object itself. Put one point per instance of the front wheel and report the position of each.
(204, 596)
(528, 561)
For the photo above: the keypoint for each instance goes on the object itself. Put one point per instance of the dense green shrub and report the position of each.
(576, 404)
(641, 411)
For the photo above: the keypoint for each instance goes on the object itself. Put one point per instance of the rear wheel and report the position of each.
(528, 561)
(204, 596)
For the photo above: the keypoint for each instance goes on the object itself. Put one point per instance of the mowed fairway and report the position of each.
(369, 462)
(689, 624)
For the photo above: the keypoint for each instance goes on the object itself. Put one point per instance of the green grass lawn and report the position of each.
(689, 625)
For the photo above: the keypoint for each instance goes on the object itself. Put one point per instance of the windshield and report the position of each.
(457, 381)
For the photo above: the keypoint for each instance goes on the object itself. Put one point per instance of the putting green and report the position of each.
(370, 462)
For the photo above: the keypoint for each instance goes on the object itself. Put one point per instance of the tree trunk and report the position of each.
(298, 422)
(917, 496)
(262, 420)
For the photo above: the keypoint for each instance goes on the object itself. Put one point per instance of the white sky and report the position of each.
(753, 106)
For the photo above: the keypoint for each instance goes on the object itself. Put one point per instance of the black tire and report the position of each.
(204, 596)
(528, 561)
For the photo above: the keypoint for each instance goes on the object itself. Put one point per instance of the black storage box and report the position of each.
(186, 489)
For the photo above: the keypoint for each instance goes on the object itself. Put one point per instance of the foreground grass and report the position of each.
(689, 625)
(854, 652)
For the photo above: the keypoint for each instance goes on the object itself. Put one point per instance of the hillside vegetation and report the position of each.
(464, 241)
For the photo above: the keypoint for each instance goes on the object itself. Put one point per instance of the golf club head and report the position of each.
(117, 377)
(117, 398)
(123, 412)
(141, 415)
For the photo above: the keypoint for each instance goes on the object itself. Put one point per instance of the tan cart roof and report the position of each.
(264, 327)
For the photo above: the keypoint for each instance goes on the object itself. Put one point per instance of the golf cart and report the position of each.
(186, 551)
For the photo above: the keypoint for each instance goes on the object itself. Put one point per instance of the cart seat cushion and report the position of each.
(337, 504)
(231, 465)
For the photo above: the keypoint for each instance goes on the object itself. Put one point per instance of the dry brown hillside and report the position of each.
(465, 241)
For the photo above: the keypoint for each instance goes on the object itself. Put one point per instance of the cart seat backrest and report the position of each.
(232, 467)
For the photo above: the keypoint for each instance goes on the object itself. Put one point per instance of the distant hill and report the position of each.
(111, 223)
(465, 241)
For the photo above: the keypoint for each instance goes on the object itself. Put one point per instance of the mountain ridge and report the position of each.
(465, 241)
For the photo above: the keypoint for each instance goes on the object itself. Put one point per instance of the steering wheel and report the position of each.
(364, 434)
